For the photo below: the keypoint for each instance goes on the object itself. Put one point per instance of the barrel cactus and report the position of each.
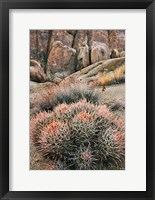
(81, 136)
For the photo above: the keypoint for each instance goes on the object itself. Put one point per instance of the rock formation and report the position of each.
(63, 52)
(61, 61)
(99, 51)
(36, 72)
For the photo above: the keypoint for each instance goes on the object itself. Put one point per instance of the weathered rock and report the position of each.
(82, 57)
(81, 39)
(62, 36)
(33, 84)
(99, 51)
(37, 74)
(117, 40)
(122, 54)
(99, 36)
(38, 45)
(35, 63)
(114, 54)
(72, 32)
(61, 59)
(97, 69)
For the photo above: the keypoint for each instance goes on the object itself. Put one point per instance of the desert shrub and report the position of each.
(71, 94)
(50, 98)
(80, 136)
(74, 93)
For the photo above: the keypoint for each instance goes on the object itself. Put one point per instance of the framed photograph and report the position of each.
(77, 99)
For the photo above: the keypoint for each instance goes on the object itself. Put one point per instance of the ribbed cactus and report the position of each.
(83, 159)
(53, 140)
(80, 136)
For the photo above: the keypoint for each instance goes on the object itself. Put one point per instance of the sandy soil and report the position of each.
(113, 97)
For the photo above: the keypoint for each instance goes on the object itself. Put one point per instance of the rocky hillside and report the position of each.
(62, 52)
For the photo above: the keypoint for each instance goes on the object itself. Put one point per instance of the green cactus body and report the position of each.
(82, 136)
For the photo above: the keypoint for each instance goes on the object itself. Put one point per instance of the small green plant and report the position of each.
(80, 136)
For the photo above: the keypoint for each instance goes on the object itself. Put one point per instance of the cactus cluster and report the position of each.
(80, 136)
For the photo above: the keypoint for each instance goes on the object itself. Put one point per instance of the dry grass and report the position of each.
(112, 76)
(119, 72)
